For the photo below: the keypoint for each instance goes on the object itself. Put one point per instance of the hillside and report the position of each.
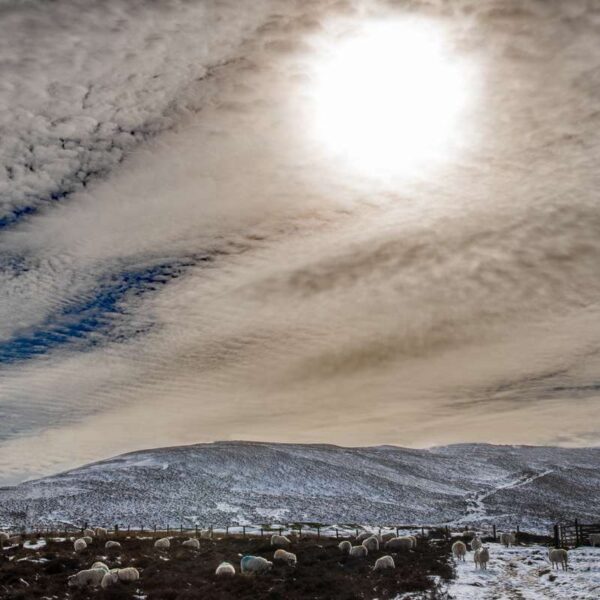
(227, 483)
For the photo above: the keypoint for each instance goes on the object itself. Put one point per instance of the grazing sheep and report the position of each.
(79, 545)
(476, 543)
(371, 544)
(358, 551)
(4, 537)
(162, 544)
(459, 549)
(100, 565)
(284, 556)
(594, 539)
(109, 579)
(414, 540)
(384, 562)
(508, 539)
(481, 557)
(101, 532)
(558, 556)
(468, 535)
(361, 537)
(89, 533)
(112, 545)
(255, 564)
(399, 543)
(128, 574)
(87, 539)
(387, 536)
(345, 546)
(87, 577)
(280, 541)
(191, 543)
(225, 569)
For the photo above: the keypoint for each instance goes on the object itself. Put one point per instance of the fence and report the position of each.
(573, 534)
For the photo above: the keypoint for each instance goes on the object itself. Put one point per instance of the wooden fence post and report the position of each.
(261, 532)
(336, 533)
(244, 530)
(556, 536)
(396, 531)
(318, 532)
(494, 531)
(196, 529)
(116, 529)
(576, 533)
(226, 530)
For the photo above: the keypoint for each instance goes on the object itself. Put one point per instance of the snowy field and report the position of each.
(523, 572)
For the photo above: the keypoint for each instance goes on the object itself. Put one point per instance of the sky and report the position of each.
(207, 233)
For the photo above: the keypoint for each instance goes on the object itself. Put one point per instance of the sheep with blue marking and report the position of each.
(255, 564)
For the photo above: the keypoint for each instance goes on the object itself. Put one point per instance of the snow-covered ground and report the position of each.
(524, 573)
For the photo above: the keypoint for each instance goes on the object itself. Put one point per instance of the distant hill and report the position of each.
(247, 482)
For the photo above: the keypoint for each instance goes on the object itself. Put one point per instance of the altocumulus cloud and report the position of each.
(181, 261)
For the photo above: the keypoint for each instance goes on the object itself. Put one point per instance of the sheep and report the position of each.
(285, 556)
(255, 564)
(558, 556)
(358, 551)
(387, 536)
(371, 544)
(459, 549)
(225, 569)
(128, 574)
(384, 562)
(481, 557)
(399, 543)
(112, 545)
(162, 544)
(361, 537)
(468, 535)
(345, 546)
(110, 578)
(414, 540)
(594, 539)
(280, 541)
(87, 539)
(191, 543)
(476, 543)
(4, 537)
(100, 565)
(79, 545)
(89, 533)
(101, 532)
(86, 577)
(508, 539)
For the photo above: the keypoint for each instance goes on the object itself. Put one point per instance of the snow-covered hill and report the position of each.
(245, 482)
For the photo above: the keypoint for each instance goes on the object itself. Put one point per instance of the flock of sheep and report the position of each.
(99, 574)
(558, 557)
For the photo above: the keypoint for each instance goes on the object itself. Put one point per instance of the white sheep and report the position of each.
(110, 578)
(358, 551)
(255, 564)
(399, 543)
(508, 539)
(112, 545)
(89, 533)
(594, 539)
(387, 536)
(558, 556)
(476, 543)
(162, 544)
(225, 569)
(101, 532)
(284, 556)
(361, 537)
(345, 546)
(280, 541)
(459, 549)
(128, 574)
(4, 537)
(87, 539)
(371, 544)
(86, 577)
(384, 562)
(79, 545)
(414, 540)
(481, 557)
(468, 535)
(191, 543)
(100, 565)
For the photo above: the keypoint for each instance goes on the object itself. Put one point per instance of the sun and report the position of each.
(389, 98)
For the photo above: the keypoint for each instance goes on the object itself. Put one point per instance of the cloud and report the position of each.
(221, 276)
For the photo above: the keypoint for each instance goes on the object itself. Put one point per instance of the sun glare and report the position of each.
(389, 98)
